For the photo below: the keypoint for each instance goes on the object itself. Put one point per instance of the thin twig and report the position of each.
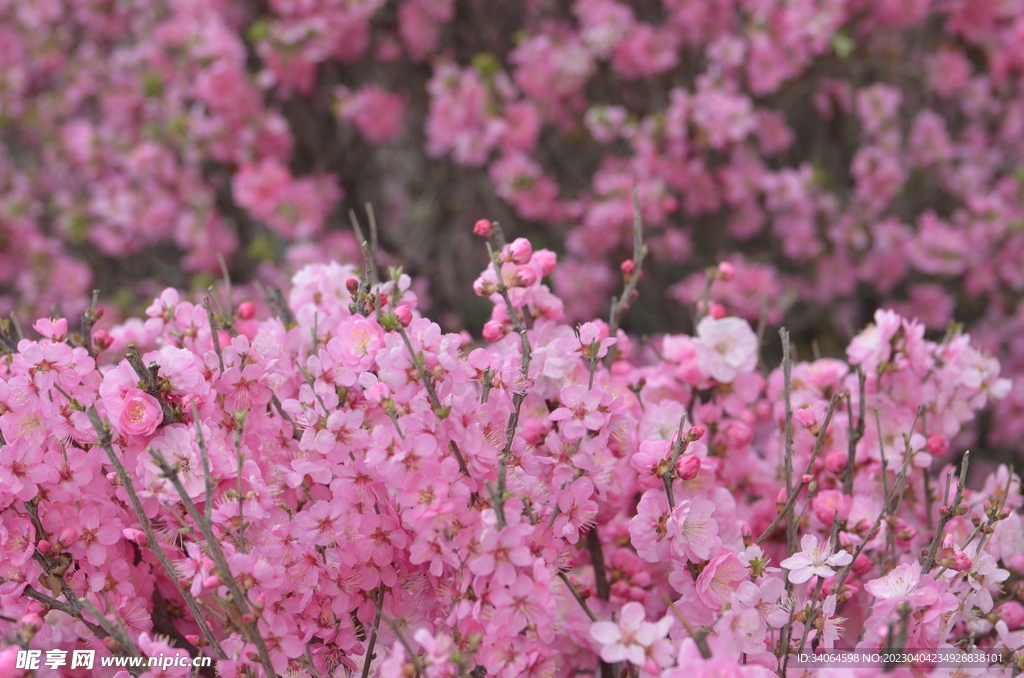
(787, 373)
(214, 335)
(621, 304)
(670, 474)
(498, 494)
(577, 596)
(432, 394)
(214, 550)
(378, 605)
(147, 528)
(597, 560)
(857, 433)
(791, 499)
(947, 513)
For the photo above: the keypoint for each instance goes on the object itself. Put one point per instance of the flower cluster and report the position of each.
(345, 490)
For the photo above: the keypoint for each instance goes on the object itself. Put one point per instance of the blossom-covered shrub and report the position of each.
(343, 489)
(844, 155)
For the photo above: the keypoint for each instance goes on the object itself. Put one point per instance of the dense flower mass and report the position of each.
(839, 155)
(344, 490)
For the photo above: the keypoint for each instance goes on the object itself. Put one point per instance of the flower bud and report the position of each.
(493, 330)
(68, 535)
(781, 498)
(861, 565)
(520, 251)
(137, 536)
(695, 433)
(1012, 613)
(101, 340)
(726, 271)
(627, 267)
(44, 546)
(31, 622)
(716, 311)
(484, 287)
(688, 466)
(404, 314)
(483, 228)
(937, 445)
(835, 461)
(526, 276)
(246, 310)
(98, 312)
(961, 562)
(212, 582)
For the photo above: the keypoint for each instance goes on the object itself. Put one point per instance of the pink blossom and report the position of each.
(814, 559)
(725, 347)
(633, 639)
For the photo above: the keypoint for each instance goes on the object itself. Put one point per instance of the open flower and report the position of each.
(814, 559)
(633, 638)
(725, 348)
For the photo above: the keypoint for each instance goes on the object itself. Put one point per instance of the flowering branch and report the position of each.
(213, 548)
(151, 539)
(621, 303)
(947, 513)
(805, 479)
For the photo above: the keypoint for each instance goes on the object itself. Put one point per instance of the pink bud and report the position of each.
(688, 466)
(835, 461)
(726, 271)
(32, 621)
(696, 433)
(546, 259)
(133, 535)
(937, 445)
(246, 310)
(484, 287)
(520, 250)
(861, 565)
(212, 582)
(404, 315)
(526, 276)
(101, 340)
(493, 330)
(627, 267)
(1012, 613)
(193, 638)
(716, 311)
(38, 607)
(781, 498)
(806, 478)
(68, 535)
(98, 312)
(352, 285)
(44, 546)
(113, 478)
(962, 562)
(483, 228)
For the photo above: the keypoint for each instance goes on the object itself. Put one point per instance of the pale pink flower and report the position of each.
(725, 348)
(633, 638)
(814, 559)
(694, 531)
